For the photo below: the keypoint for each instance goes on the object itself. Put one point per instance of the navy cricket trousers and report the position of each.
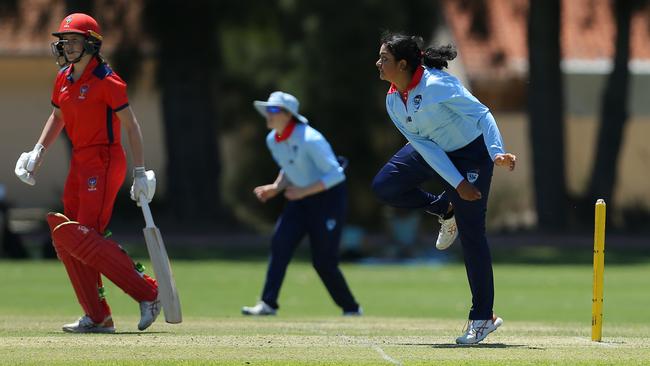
(397, 184)
(321, 216)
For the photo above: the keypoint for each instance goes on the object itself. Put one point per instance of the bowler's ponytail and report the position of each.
(437, 57)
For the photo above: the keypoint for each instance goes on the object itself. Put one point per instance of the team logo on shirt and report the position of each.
(92, 184)
(83, 91)
(330, 224)
(83, 229)
(472, 176)
(417, 101)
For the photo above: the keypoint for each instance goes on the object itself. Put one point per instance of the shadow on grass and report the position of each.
(117, 332)
(558, 255)
(228, 254)
(539, 255)
(485, 345)
(542, 255)
(480, 345)
(551, 251)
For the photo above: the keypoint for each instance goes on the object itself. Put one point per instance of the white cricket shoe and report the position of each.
(86, 325)
(149, 311)
(358, 312)
(261, 308)
(447, 234)
(477, 330)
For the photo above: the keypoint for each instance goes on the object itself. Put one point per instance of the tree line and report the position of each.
(215, 57)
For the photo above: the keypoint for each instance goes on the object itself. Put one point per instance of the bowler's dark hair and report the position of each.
(409, 48)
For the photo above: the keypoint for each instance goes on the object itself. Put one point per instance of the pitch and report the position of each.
(413, 314)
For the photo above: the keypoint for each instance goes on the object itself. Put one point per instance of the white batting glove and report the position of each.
(144, 182)
(28, 163)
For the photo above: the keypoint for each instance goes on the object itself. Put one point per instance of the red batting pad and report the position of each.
(105, 256)
(55, 218)
(85, 280)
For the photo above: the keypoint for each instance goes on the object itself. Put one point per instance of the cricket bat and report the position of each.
(167, 293)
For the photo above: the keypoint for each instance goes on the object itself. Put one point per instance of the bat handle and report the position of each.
(146, 211)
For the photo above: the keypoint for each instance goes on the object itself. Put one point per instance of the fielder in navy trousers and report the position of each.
(397, 184)
(321, 217)
(312, 180)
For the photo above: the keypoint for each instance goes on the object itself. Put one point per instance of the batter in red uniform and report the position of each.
(90, 102)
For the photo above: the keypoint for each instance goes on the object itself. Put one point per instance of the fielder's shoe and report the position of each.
(357, 312)
(447, 234)
(477, 330)
(86, 325)
(149, 311)
(261, 308)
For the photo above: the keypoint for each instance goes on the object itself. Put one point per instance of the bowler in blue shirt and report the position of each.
(452, 137)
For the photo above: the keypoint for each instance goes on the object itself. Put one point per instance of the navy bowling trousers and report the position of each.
(397, 184)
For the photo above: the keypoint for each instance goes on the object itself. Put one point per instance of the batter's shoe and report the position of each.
(261, 308)
(149, 311)
(477, 330)
(86, 325)
(447, 234)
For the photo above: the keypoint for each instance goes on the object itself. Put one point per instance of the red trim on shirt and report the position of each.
(286, 133)
(417, 76)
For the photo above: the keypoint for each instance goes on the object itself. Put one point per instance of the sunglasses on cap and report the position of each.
(273, 109)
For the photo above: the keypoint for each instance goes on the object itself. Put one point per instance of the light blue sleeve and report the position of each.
(491, 135)
(468, 106)
(434, 155)
(322, 155)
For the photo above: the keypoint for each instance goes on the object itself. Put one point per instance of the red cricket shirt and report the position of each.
(89, 104)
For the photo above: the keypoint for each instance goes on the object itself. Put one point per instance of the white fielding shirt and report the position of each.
(306, 157)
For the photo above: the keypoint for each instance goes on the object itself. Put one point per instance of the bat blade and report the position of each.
(167, 292)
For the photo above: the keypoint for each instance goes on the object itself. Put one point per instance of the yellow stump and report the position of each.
(599, 267)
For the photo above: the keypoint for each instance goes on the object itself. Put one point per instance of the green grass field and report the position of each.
(413, 314)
